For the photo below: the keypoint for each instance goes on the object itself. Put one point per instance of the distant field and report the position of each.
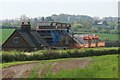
(7, 32)
(88, 67)
(104, 36)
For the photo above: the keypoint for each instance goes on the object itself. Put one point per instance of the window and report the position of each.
(16, 40)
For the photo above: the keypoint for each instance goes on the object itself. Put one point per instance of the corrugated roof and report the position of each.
(80, 39)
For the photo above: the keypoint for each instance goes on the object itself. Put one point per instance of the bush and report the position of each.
(56, 54)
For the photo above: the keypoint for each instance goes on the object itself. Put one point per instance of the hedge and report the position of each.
(56, 54)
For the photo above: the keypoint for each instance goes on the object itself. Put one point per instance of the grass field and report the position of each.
(104, 36)
(102, 67)
(5, 34)
(98, 67)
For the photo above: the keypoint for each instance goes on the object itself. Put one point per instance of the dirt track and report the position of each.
(18, 71)
(24, 70)
(70, 64)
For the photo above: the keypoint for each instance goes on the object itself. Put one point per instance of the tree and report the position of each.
(96, 23)
(77, 26)
(49, 19)
(87, 25)
(24, 18)
(105, 23)
(34, 23)
(99, 28)
(112, 25)
(42, 19)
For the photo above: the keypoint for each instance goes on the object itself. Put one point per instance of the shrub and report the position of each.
(55, 54)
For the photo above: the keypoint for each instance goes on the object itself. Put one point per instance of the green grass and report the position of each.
(112, 37)
(5, 34)
(34, 71)
(100, 67)
(107, 65)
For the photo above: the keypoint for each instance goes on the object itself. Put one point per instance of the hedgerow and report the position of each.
(56, 54)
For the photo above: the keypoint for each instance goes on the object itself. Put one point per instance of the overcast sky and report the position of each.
(35, 8)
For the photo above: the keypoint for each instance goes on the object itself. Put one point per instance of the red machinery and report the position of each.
(89, 38)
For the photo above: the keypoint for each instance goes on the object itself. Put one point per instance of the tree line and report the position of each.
(83, 23)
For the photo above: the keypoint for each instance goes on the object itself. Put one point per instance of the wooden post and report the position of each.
(96, 42)
(89, 43)
(96, 39)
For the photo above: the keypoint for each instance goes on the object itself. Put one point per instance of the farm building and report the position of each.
(48, 35)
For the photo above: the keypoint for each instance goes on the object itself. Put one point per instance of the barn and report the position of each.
(24, 39)
(48, 35)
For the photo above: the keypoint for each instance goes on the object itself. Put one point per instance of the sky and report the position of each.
(36, 8)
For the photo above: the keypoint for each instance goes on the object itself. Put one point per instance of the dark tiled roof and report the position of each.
(37, 36)
(27, 38)
(32, 38)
